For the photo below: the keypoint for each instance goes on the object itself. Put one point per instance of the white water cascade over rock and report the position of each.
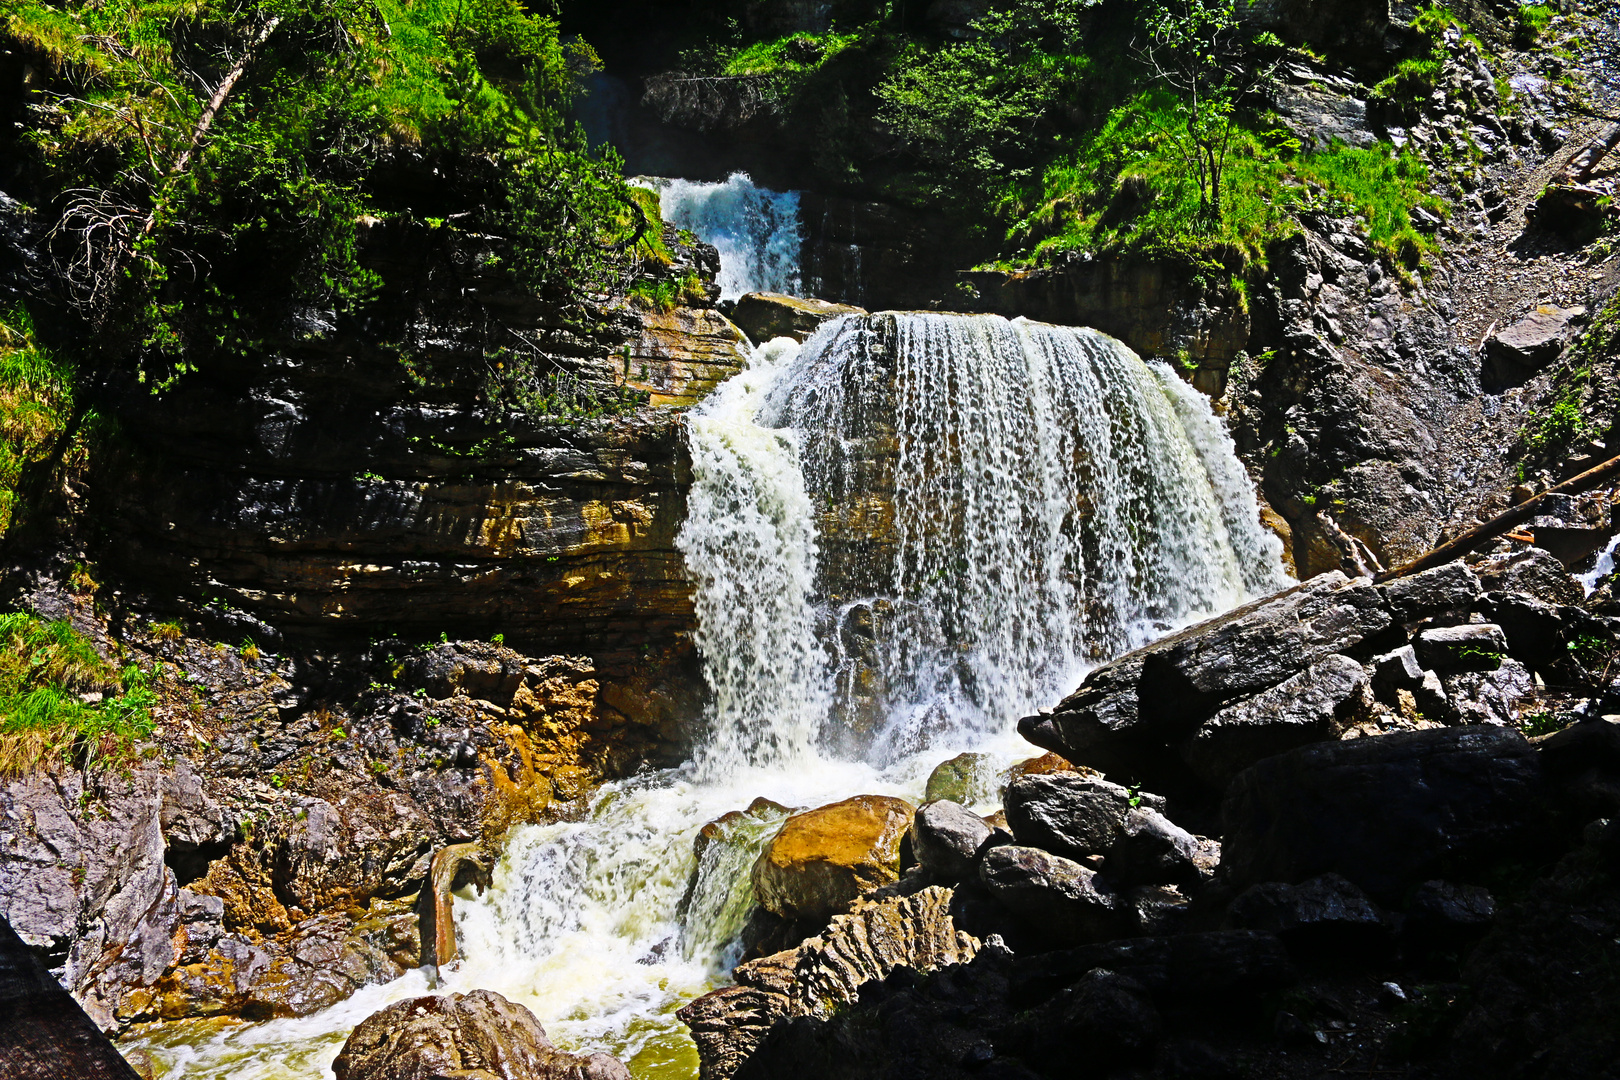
(755, 230)
(904, 535)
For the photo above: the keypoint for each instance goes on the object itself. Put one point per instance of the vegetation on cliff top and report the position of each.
(211, 166)
(1047, 123)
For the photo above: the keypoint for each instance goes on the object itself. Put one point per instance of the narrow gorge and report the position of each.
(770, 539)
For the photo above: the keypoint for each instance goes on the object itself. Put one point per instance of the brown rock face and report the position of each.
(476, 1036)
(824, 859)
(682, 354)
(764, 316)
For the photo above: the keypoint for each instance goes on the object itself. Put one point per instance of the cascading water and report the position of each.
(1011, 502)
(960, 512)
(755, 230)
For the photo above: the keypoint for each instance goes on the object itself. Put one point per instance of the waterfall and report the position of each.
(1008, 502)
(903, 536)
(756, 230)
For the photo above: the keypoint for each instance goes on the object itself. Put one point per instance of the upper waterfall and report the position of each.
(991, 507)
(756, 230)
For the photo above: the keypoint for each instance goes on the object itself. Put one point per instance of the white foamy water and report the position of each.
(755, 229)
(1047, 500)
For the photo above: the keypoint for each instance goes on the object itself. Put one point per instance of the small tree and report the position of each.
(1196, 49)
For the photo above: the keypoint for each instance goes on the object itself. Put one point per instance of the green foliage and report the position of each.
(793, 55)
(969, 113)
(1542, 723)
(188, 235)
(666, 294)
(1554, 429)
(36, 396)
(539, 388)
(1530, 22)
(60, 700)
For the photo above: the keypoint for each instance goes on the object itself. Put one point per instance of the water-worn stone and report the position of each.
(1065, 901)
(1324, 915)
(764, 316)
(1153, 850)
(823, 974)
(1314, 705)
(1069, 813)
(1387, 811)
(1470, 647)
(823, 859)
(964, 779)
(946, 837)
(478, 1035)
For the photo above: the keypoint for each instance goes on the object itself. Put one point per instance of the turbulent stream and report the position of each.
(906, 534)
(756, 230)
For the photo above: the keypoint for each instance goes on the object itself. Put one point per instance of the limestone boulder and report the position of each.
(1071, 814)
(478, 1035)
(1153, 850)
(765, 316)
(823, 859)
(1517, 352)
(1386, 812)
(1127, 714)
(1470, 647)
(1068, 903)
(946, 838)
(1314, 705)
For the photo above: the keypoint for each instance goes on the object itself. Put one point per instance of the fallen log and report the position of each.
(1584, 163)
(1501, 523)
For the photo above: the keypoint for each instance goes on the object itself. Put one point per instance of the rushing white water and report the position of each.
(1600, 569)
(755, 229)
(1054, 501)
(962, 512)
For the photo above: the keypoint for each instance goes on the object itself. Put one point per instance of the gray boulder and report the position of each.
(1470, 647)
(480, 1034)
(1314, 705)
(1153, 850)
(1397, 670)
(1064, 900)
(1386, 812)
(1450, 587)
(945, 836)
(1070, 814)
(1534, 572)
(1514, 354)
(1445, 915)
(1326, 914)
(1489, 697)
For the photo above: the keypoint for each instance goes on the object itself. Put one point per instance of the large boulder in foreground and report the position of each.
(823, 859)
(1386, 812)
(1129, 713)
(479, 1036)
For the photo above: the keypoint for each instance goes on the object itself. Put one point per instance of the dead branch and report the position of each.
(1501, 523)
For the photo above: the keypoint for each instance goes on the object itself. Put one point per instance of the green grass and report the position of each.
(47, 672)
(668, 294)
(1124, 189)
(794, 54)
(1530, 22)
(36, 398)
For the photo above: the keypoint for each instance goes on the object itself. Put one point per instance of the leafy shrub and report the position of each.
(60, 700)
(1530, 22)
(1554, 429)
(36, 395)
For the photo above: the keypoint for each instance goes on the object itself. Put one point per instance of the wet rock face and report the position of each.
(823, 859)
(358, 475)
(480, 1034)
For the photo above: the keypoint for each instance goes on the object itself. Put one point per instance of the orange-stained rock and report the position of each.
(823, 859)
